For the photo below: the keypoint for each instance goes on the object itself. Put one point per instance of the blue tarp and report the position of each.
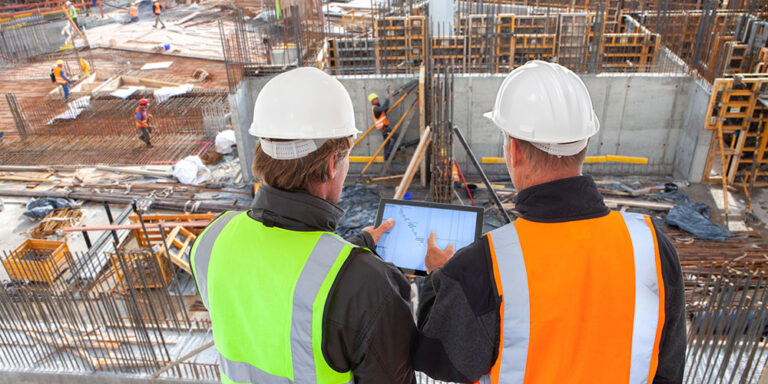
(360, 203)
(694, 218)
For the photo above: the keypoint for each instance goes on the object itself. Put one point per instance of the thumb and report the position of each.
(385, 226)
(449, 248)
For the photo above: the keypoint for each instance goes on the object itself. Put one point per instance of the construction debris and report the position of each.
(55, 220)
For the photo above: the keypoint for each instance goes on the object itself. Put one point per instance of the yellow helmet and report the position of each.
(59, 62)
(372, 96)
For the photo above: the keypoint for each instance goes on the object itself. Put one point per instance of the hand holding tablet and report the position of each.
(405, 245)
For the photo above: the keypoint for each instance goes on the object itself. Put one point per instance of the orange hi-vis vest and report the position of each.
(157, 8)
(133, 11)
(57, 74)
(582, 301)
(381, 121)
(144, 121)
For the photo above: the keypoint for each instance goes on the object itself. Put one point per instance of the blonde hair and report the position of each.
(299, 174)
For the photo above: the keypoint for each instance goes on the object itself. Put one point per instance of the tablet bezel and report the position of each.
(479, 212)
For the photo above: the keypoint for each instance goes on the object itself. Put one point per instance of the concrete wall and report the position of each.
(241, 111)
(693, 146)
(658, 117)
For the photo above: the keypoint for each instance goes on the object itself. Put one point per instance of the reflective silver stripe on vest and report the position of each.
(245, 373)
(517, 314)
(203, 252)
(646, 298)
(315, 271)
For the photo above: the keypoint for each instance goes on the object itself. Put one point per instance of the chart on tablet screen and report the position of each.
(406, 243)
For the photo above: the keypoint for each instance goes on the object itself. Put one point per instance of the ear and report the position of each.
(332, 165)
(514, 152)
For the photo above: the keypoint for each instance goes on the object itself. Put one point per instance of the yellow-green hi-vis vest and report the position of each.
(265, 289)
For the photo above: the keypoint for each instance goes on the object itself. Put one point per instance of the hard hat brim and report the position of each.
(491, 116)
(273, 135)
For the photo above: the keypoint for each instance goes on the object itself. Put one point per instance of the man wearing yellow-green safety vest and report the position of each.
(290, 301)
(72, 11)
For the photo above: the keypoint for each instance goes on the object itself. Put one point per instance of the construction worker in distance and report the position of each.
(143, 119)
(290, 301)
(72, 11)
(60, 77)
(380, 120)
(133, 13)
(570, 292)
(157, 10)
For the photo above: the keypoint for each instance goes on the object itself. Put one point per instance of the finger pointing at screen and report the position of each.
(436, 257)
(380, 230)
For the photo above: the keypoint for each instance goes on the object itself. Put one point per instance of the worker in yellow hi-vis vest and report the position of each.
(290, 301)
(72, 12)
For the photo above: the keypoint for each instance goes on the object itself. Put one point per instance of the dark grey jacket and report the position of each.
(368, 326)
(459, 318)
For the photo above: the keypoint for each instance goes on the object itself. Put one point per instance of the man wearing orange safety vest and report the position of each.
(133, 13)
(570, 292)
(60, 77)
(380, 120)
(157, 10)
(142, 121)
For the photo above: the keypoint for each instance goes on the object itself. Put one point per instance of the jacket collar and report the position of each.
(294, 210)
(573, 198)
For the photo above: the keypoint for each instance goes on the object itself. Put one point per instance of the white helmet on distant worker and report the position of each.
(547, 105)
(306, 106)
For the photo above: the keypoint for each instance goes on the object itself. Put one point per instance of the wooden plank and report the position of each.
(613, 202)
(421, 149)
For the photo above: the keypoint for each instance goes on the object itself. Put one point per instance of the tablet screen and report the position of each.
(405, 245)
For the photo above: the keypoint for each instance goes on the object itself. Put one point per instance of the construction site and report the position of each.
(96, 279)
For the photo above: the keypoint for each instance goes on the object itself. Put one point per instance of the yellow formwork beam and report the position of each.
(589, 159)
(365, 159)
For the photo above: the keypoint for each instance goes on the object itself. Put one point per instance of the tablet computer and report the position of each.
(405, 245)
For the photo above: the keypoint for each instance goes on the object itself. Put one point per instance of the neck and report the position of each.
(535, 178)
(320, 190)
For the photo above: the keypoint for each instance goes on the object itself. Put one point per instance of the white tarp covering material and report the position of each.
(224, 141)
(74, 108)
(191, 170)
(158, 65)
(123, 93)
(166, 93)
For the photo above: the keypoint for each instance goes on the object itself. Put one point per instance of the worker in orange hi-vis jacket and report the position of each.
(133, 13)
(570, 292)
(143, 119)
(157, 9)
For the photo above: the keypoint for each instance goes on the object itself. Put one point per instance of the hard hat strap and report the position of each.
(560, 150)
(289, 150)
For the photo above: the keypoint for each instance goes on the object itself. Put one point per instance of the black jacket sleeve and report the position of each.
(363, 239)
(673, 336)
(458, 318)
(368, 327)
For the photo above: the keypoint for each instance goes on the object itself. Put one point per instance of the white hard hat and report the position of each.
(306, 106)
(547, 105)
(69, 3)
